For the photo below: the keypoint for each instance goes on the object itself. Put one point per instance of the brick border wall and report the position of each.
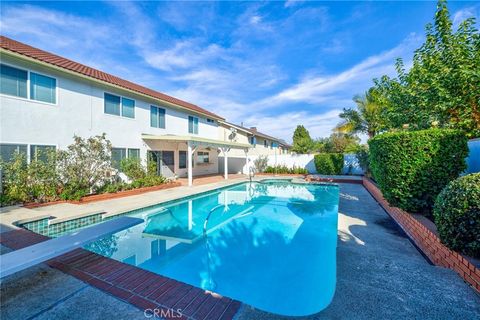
(427, 241)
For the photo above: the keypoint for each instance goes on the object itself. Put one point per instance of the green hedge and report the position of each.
(329, 163)
(412, 167)
(457, 215)
(284, 169)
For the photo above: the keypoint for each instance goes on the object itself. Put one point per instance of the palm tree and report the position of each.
(366, 118)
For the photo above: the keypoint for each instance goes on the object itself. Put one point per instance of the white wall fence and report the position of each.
(351, 165)
(473, 159)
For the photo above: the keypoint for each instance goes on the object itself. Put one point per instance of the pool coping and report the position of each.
(146, 290)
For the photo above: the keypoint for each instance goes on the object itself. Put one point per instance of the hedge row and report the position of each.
(329, 163)
(412, 167)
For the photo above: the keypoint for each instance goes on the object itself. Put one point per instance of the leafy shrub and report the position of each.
(34, 182)
(261, 163)
(133, 169)
(412, 167)
(86, 164)
(329, 163)
(457, 214)
(282, 169)
(148, 181)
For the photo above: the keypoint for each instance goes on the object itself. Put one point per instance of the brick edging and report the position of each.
(427, 241)
(106, 196)
(141, 288)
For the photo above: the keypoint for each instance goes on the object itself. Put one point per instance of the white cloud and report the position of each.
(327, 88)
(465, 13)
(283, 125)
(292, 3)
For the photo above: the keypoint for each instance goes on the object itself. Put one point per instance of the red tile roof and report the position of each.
(55, 60)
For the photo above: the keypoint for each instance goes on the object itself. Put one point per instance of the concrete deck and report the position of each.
(380, 275)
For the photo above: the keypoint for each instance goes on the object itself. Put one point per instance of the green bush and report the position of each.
(412, 167)
(329, 163)
(282, 169)
(457, 215)
(133, 169)
(33, 182)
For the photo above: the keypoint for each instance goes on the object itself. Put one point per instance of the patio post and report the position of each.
(189, 163)
(225, 162)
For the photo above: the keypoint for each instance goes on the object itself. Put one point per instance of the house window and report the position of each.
(210, 120)
(192, 125)
(253, 140)
(128, 108)
(112, 104)
(40, 152)
(134, 153)
(13, 81)
(118, 154)
(265, 143)
(271, 145)
(42, 88)
(119, 106)
(157, 117)
(182, 159)
(203, 157)
(8, 151)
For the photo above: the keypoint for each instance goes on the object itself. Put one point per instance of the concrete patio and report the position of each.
(380, 275)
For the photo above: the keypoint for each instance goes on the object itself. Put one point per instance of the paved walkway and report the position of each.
(380, 275)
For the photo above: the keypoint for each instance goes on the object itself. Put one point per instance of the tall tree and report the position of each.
(366, 118)
(442, 88)
(302, 142)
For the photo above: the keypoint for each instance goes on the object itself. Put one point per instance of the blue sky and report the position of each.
(267, 64)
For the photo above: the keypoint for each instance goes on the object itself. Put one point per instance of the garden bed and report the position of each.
(106, 196)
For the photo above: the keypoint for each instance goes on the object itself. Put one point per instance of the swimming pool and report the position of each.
(270, 245)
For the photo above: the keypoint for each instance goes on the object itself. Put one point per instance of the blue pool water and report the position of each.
(271, 245)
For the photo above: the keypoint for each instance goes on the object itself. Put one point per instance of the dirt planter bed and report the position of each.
(106, 196)
(427, 241)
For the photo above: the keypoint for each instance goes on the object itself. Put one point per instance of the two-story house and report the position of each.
(46, 99)
(260, 145)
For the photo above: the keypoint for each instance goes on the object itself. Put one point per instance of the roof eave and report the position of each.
(87, 78)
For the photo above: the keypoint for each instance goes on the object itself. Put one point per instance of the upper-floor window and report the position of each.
(157, 117)
(192, 125)
(13, 81)
(253, 140)
(42, 88)
(265, 143)
(210, 120)
(128, 108)
(272, 145)
(119, 106)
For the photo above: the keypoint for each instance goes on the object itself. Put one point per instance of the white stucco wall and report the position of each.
(80, 111)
